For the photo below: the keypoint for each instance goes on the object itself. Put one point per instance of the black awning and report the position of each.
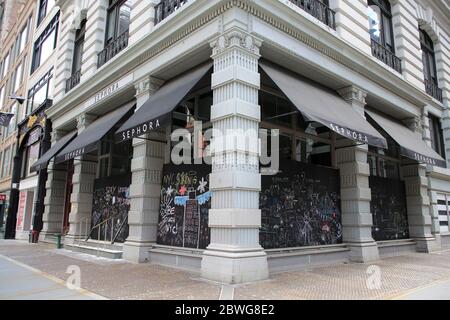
(411, 144)
(157, 111)
(43, 161)
(320, 104)
(88, 140)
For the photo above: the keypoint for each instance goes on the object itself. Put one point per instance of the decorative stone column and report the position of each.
(145, 189)
(417, 198)
(434, 212)
(235, 255)
(85, 170)
(142, 19)
(54, 197)
(95, 37)
(357, 220)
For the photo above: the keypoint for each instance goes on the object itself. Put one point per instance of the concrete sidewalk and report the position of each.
(21, 282)
(416, 276)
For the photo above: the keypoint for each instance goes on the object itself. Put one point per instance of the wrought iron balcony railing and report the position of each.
(166, 7)
(385, 55)
(318, 10)
(73, 81)
(113, 48)
(433, 90)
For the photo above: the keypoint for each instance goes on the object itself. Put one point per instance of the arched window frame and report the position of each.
(428, 57)
(387, 31)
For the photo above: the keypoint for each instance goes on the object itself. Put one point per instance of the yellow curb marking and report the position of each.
(415, 290)
(54, 279)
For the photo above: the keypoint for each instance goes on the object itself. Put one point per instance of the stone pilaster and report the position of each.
(235, 255)
(94, 37)
(357, 220)
(426, 133)
(145, 189)
(85, 169)
(418, 207)
(54, 198)
(142, 19)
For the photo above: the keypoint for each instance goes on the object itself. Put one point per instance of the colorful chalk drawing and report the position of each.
(184, 206)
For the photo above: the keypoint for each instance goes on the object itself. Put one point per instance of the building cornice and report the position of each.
(197, 13)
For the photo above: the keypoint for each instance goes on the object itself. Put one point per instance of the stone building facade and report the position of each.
(355, 95)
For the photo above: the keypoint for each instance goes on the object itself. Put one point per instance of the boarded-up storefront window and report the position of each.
(300, 207)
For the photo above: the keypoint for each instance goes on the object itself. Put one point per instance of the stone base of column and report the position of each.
(364, 252)
(47, 237)
(427, 245)
(137, 252)
(72, 240)
(234, 268)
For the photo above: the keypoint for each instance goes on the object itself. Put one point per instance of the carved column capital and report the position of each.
(414, 124)
(85, 119)
(236, 38)
(354, 96)
(148, 85)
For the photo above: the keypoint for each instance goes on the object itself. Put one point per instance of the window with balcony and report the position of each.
(436, 135)
(44, 8)
(166, 7)
(117, 30)
(429, 66)
(45, 44)
(40, 92)
(381, 33)
(319, 9)
(74, 80)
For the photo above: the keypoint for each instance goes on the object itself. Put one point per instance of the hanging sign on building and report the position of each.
(2, 197)
(108, 91)
(21, 211)
(184, 207)
(5, 118)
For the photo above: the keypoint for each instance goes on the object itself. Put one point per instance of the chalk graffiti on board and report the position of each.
(388, 208)
(300, 206)
(111, 203)
(184, 207)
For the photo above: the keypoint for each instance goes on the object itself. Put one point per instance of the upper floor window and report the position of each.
(436, 135)
(45, 44)
(44, 8)
(429, 61)
(5, 65)
(380, 19)
(78, 49)
(18, 77)
(74, 80)
(6, 162)
(119, 12)
(40, 92)
(429, 66)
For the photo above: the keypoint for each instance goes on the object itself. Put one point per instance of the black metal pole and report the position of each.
(39, 206)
